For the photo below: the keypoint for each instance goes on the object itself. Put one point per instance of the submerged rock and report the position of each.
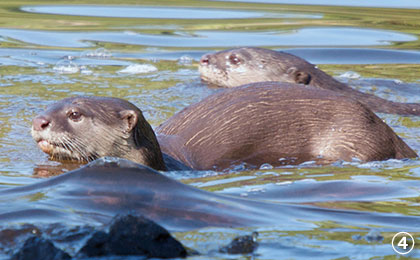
(39, 248)
(134, 235)
(241, 245)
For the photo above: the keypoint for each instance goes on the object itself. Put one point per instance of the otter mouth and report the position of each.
(46, 146)
(213, 76)
(60, 151)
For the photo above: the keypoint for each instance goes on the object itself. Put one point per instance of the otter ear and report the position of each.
(129, 118)
(299, 77)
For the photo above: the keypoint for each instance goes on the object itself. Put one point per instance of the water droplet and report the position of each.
(185, 60)
(397, 81)
(98, 53)
(284, 183)
(350, 75)
(154, 60)
(66, 67)
(266, 166)
(256, 190)
(69, 57)
(286, 173)
(85, 71)
(254, 235)
(308, 163)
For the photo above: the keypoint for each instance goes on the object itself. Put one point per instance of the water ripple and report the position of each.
(345, 36)
(157, 12)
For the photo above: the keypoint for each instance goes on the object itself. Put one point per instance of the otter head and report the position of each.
(86, 128)
(235, 67)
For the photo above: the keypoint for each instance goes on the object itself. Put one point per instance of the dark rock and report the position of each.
(134, 235)
(241, 245)
(96, 245)
(38, 248)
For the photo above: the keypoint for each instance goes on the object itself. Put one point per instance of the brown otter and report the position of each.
(276, 123)
(86, 128)
(279, 123)
(235, 67)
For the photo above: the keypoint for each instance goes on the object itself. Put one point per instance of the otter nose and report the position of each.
(205, 60)
(40, 123)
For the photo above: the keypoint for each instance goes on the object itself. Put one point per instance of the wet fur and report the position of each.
(259, 65)
(105, 131)
(276, 123)
(279, 123)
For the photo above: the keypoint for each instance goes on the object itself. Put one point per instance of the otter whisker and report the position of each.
(77, 147)
(87, 155)
(67, 143)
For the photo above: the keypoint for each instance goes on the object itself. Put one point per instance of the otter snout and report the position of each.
(40, 123)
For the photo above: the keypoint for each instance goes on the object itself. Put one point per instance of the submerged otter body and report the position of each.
(276, 123)
(235, 67)
(279, 123)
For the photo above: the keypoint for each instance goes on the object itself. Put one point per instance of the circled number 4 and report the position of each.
(403, 243)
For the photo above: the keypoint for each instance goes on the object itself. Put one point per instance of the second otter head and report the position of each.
(235, 67)
(86, 128)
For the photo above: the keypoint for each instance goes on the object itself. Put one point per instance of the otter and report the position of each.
(279, 123)
(235, 67)
(269, 122)
(83, 129)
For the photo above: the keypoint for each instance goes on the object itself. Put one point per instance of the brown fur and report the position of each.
(278, 123)
(106, 127)
(235, 67)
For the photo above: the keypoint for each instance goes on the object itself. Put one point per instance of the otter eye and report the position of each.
(234, 59)
(74, 115)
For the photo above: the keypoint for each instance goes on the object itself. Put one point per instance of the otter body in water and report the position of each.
(279, 123)
(235, 67)
(276, 123)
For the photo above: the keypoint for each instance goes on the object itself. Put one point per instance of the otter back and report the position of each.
(278, 123)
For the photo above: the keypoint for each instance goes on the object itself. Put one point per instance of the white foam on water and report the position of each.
(138, 69)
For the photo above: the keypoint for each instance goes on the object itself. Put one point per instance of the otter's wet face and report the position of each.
(84, 128)
(235, 67)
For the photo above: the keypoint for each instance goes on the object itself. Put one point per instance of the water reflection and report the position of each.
(39, 58)
(356, 56)
(362, 3)
(94, 194)
(345, 36)
(158, 12)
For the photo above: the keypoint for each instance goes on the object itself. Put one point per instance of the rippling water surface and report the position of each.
(148, 55)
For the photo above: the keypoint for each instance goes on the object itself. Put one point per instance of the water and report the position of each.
(372, 3)
(151, 59)
(302, 37)
(157, 12)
